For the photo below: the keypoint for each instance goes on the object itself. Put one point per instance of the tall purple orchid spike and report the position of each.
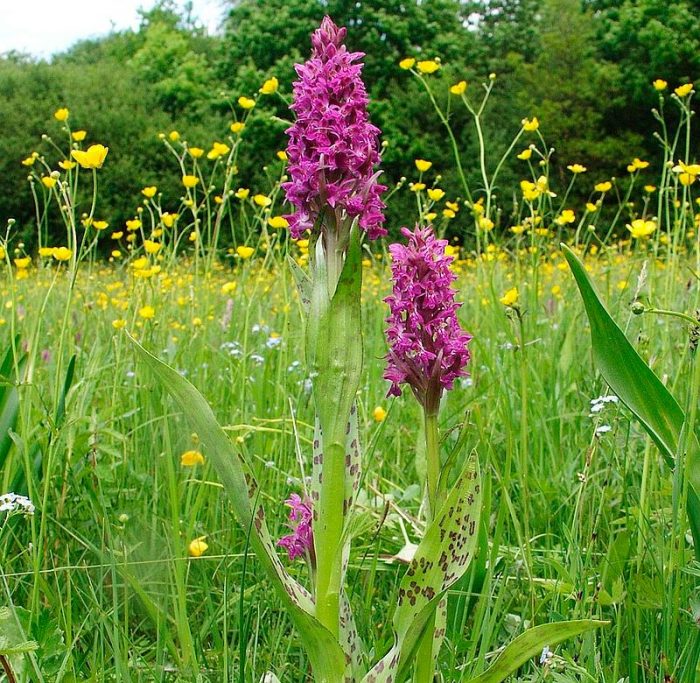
(300, 543)
(427, 347)
(333, 148)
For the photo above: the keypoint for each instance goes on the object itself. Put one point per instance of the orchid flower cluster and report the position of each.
(333, 156)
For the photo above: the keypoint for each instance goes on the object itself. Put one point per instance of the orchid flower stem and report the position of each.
(424, 672)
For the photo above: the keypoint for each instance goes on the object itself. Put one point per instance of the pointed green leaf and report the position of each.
(442, 557)
(530, 644)
(327, 658)
(639, 388)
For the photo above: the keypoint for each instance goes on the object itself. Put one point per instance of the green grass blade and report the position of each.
(639, 388)
(530, 644)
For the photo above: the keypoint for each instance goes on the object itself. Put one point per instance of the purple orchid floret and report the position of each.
(333, 148)
(427, 347)
(300, 543)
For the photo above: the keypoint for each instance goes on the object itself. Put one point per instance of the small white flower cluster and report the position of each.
(597, 404)
(14, 503)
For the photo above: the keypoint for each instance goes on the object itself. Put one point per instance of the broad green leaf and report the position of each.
(639, 388)
(327, 658)
(442, 557)
(530, 644)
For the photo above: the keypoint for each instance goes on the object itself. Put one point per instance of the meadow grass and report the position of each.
(582, 511)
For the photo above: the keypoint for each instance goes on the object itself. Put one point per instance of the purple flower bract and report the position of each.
(333, 148)
(300, 543)
(427, 347)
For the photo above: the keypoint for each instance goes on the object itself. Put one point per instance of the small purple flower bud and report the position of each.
(300, 543)
(333, 148)
(427, 347)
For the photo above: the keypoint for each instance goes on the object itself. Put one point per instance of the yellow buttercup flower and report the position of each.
(278, 222)
(262, 200)
(436, 194)
(99, 225)
(198, 547)
(191, 458)
(379, 414)
(525, 154)
(530, 125)
(591, 207)
(282, 155)
(151, 247)
(217, 150)
(174, 136)
(428, 66)
(119, 324)
(149, 191)
(147, 312)
(61, 114)
(45, 252)
(67, 164)
(577, 168)
(641, 228)
(242, 193)
(237, 127)
(605, 186)
(93, 157)
(133, 224)
(195, 152)
(510, 298)
(459, 88)
(567, 216)
(117, 235)
(23, 262)
(422, 165)
(29, 161)
(246, 102)
(49, 182)
(62, 253)
(168, 219)
(637, 165)
(683, 90)
(229, 287)
(416, 187)
(190, 181)
(660, 84)
(270, 86)
(650, 188)
(245, 252)
(79, 135)
(407, 63)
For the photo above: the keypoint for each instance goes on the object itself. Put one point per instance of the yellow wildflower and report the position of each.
(270, 86)
(168, 219)
(191, 458)
(23, 262)
(591, 207)
(149, 191)
(190, 181)
(282, 155)
(641, 228)
(577, 168)
(422, 165)
(93, 157)
(428, 66)
(637, 165)
(99, 225)
(485, 224)
(49, 182)
(147, 312)
(174, 136)
(229, 287)
(245, 252)
(62, 253)
(605, 186)
(29, 161)
(436, 194)
(119, 324)
(407, 63)
(242, 193)
(133, 224)
(660, 84)
(67, 164)
(45, 252)
(530, 125)
(278, 222)
(262, 200)
(151, 247)
(198, 547)
(650, 188)
(379, 414)
(195, 152)
(237, 127)
(217, 150)
(246, 102)
(510, 298)
(683, 90)
(525, 154)
(416, 187)
(459, 88)
(79, 135)
(567, 216)
(61, 114)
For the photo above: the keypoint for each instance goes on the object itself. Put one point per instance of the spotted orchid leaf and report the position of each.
(639, 389)
(327, 658)
(530, 644)
(441, 558)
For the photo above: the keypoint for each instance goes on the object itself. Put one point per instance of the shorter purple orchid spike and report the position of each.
(300, 543)
(427, 347)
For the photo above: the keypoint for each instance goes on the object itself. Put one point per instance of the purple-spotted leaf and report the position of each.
(639, 389)
(530, 644)
(326, 656)
(441, 558)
